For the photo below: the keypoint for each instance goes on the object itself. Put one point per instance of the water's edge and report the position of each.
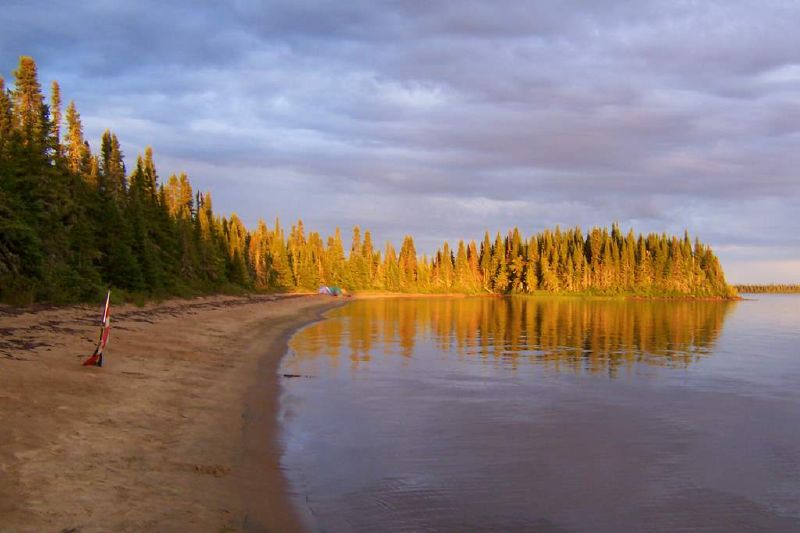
(269, 502)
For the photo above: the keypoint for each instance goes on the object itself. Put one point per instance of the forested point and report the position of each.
(74, 222)
(774, 288)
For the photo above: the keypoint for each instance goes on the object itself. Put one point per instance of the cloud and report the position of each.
(448, 118)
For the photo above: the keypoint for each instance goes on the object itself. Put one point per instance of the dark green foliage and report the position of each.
(20, 259)
(73, 223)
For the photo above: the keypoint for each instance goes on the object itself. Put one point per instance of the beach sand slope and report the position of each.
(177, 432)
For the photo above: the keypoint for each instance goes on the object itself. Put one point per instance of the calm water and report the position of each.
(546, 415)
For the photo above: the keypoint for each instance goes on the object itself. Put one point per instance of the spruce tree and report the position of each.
(486, 262)
(531, 266)
(446, 267)
(112, 167)
(55, 126)
(282, 273)
(236, 237)
(462, 273)
(357, 264)
(30, 112)
(498, 267)
(408, 264)
(259, 256)
(391, 269)
(474, 267)
(370, 259)
(337, 274)
(77, 152)
(150, 183)
(6, 126)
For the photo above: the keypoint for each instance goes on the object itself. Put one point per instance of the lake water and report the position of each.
(521, 414)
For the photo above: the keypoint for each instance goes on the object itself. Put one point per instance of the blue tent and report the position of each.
(330, 291)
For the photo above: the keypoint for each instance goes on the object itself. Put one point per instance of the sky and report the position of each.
(445, 119)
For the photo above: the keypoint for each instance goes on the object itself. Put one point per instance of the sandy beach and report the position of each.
(177, 432)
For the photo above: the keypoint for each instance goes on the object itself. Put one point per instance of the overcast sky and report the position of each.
(443, 119)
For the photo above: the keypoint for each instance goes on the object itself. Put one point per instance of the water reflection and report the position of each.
(499, 414)
(574, 335)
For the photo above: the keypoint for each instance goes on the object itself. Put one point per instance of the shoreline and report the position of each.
(267, 500)
(178, 432)
(544, 295)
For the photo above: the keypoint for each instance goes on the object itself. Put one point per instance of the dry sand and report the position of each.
(177, 432)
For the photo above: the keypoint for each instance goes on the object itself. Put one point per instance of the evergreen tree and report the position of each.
(391, 269)
(370, 259)
(358, 263)
(6, 126)
(424, 275)
(77, 152)
(282, 274)
(336, 271)
(30, 112)
(55, 126)
(236, 264)
(531, 266)
(498, 266)
(486, 262)
(473, 263)
(112, 167)
(408, 264)
(211, 259)
(445, 267)
(462, 271)
(150, 181)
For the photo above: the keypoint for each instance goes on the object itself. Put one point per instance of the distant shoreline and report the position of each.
(542, 294)
(773, 288)
(143, 301)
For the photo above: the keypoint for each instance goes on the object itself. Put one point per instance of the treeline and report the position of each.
(772, 288)
(602, 262)
(74, 221)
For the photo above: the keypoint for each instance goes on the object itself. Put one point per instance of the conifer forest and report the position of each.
(75, 221)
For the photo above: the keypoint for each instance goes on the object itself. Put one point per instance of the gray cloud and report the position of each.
(448, 118)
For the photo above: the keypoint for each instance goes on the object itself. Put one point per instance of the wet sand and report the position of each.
(177, 432)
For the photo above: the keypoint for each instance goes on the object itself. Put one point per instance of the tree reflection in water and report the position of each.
(562, 334)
